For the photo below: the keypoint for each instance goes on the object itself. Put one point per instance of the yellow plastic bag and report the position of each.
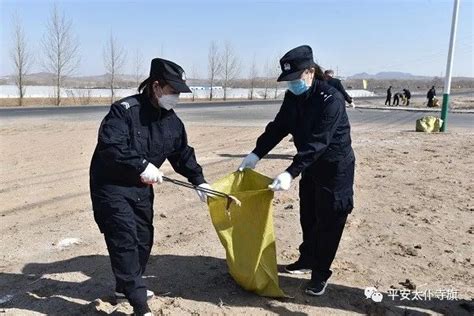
(428, 124)
(246, 232)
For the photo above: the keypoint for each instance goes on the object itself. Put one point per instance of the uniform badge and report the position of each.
(183, 76)
(126, 105)
(327, 97)
(286, 66)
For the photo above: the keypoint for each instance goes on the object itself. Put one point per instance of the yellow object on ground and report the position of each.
(246, 231)
(429, 124)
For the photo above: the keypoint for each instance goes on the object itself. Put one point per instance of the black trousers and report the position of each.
(127, 225)
(388, 100)
(323, 214)
(396, 100)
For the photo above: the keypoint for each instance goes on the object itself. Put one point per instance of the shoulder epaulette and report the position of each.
(128, 102)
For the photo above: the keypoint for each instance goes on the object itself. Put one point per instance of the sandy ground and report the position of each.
(413, 220)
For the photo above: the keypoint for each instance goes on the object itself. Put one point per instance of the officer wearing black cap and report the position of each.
(314, 113)
(135, 138)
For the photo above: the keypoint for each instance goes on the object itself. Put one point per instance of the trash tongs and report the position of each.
(229, 197)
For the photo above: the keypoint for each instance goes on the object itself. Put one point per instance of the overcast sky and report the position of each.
(348, 36)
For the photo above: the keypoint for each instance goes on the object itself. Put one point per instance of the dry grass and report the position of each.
(40, 102)
(6, 102)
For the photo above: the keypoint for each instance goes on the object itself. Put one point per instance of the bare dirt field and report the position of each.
(413, 220)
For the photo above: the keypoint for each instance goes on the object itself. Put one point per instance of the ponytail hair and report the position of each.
(145, 86)
(318, 72)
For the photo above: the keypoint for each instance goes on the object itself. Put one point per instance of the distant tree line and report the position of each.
(59, 55)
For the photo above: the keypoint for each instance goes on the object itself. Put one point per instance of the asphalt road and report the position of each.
(243, 113)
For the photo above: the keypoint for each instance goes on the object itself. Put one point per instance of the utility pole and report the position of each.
(449, 66)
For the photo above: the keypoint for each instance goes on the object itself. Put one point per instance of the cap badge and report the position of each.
(183, 76)
(286, 67)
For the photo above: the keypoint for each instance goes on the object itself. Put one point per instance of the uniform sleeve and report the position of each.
(183, 160)
(346, 96)
(114, 142)
(274, 132)
(320, 138)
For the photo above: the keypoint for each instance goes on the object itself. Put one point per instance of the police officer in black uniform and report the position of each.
(135, 138)
(336, 83)
(389, 96)
(396, 98)
(431, 96)
(407, 94)
(315, 114)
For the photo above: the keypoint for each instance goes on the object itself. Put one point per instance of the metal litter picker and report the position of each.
(229, 197)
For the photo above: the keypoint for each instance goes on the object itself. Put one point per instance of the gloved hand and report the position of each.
(353, 104)
(249, 162)
(151, 174)
(203, 195)
(282, 182)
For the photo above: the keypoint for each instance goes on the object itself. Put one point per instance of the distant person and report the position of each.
(336, 83)
(396, 98)
(389, 96)
(407, 96)
(430, 96)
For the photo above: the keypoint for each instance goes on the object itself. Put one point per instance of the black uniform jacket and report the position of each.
(320, 127)
(133, 134)
(336, 83)
(431, 94)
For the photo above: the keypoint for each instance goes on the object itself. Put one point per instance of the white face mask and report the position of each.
(168, 101)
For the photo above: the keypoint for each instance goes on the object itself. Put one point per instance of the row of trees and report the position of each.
(60, 48)
(60, 56)
(224, 65)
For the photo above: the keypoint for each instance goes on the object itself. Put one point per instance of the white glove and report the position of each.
(249, 162)
(151, 174)
(282, 182)
(203, 195)
(353, 104)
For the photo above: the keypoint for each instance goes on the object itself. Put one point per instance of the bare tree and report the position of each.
(230, 66)
(268, 75)
(274, 73)
(194, 76)
(437, 82)
(214, 66)
(21, 57)
(61, 48)
(138, 67)
(253, 76)
(114, 60)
